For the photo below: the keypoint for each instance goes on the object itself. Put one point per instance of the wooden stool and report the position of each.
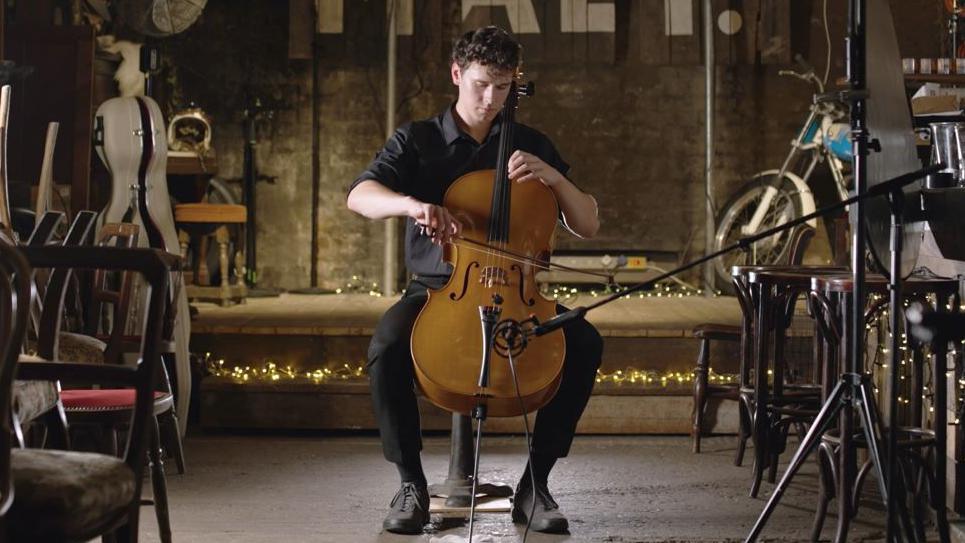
(202, 219)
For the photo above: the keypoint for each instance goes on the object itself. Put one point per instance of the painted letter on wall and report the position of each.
(331, 14)
(579, 16)
(678, 17)
(522, 16)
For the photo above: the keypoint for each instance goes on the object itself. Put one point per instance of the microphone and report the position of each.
(928, 326)
(558, 321)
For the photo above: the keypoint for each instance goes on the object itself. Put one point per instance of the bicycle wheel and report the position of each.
(784, 206)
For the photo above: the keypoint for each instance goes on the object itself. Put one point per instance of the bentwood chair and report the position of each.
(920, 440)
(107, 337)
(101, 412)
(73, 496)
(39, 401)
(741, 334)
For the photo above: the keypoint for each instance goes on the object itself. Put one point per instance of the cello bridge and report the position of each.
(492, 276)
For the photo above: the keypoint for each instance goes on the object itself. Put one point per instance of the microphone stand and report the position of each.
(488, 318)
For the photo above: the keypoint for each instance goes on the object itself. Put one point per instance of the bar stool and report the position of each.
(198, 220)
(708, 332)
(832, 304)
(773, 292)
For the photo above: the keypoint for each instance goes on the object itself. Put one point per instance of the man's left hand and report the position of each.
(524, 166)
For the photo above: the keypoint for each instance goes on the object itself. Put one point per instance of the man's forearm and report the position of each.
(579, 209)
(376, 201)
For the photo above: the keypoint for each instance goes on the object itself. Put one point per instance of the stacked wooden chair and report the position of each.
(52, 495)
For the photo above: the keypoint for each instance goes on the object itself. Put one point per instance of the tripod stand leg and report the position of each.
(480, 416)
(846, 465)
(827, 414)
(872, 431)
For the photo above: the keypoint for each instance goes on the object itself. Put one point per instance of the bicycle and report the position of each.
(774, 197)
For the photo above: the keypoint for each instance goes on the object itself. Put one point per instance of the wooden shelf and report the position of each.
(948, 79)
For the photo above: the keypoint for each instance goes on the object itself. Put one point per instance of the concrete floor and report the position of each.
(336, 488)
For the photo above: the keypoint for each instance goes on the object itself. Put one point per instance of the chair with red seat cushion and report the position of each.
(85, 407)
(48, 495)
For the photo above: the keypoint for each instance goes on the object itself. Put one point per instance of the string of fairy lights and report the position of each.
(272, 373)
(876, 332)
(560, 293)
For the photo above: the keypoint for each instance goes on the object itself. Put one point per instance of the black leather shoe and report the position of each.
(546, 517)
(409, 510)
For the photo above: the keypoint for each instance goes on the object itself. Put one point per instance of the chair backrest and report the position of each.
(14, 313)
(53, 301)
(112, 288)
(43, 233)
(156, 267)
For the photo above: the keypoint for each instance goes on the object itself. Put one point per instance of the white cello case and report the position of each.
(135, 152)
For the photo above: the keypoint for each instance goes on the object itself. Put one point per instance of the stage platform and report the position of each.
(300, 363)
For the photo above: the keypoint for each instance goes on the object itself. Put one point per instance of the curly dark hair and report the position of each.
(490, 46)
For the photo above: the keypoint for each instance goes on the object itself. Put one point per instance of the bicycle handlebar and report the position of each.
(803, 63)
(805, 76)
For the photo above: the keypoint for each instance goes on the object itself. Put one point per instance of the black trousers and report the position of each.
(391, 380)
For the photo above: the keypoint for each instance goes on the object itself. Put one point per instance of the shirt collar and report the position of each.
(452, 132)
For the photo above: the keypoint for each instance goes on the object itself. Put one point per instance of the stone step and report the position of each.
(644, 385)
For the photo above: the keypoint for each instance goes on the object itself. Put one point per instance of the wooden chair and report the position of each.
(69, 496)
(708, 332)
(106, 410)
(14, 316)
(37, 400)
(920, 440)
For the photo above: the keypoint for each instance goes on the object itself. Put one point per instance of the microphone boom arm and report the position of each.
(880, 189)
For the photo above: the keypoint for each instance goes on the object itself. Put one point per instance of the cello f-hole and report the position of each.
(465, 282)
(522, 280)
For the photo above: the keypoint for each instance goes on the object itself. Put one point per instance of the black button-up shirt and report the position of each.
(424, 157)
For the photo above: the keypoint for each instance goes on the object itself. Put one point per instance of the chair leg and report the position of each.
(761, 436)
(57, 429)
(128, 532)
(158, 483)
(17, 431)
(221, 234)
(743, 432)
(172, 437)
(700, 391)
(918, 497)
(859, 484)
(777, 444)
(826, 491)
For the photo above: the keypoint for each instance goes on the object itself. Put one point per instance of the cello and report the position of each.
(464, 355)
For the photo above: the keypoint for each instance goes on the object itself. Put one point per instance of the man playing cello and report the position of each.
(409, 177)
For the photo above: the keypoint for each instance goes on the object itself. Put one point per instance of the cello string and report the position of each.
(506, 142)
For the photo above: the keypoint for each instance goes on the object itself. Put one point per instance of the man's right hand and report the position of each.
(436, 222)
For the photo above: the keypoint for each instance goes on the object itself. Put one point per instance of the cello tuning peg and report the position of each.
(527, 89)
